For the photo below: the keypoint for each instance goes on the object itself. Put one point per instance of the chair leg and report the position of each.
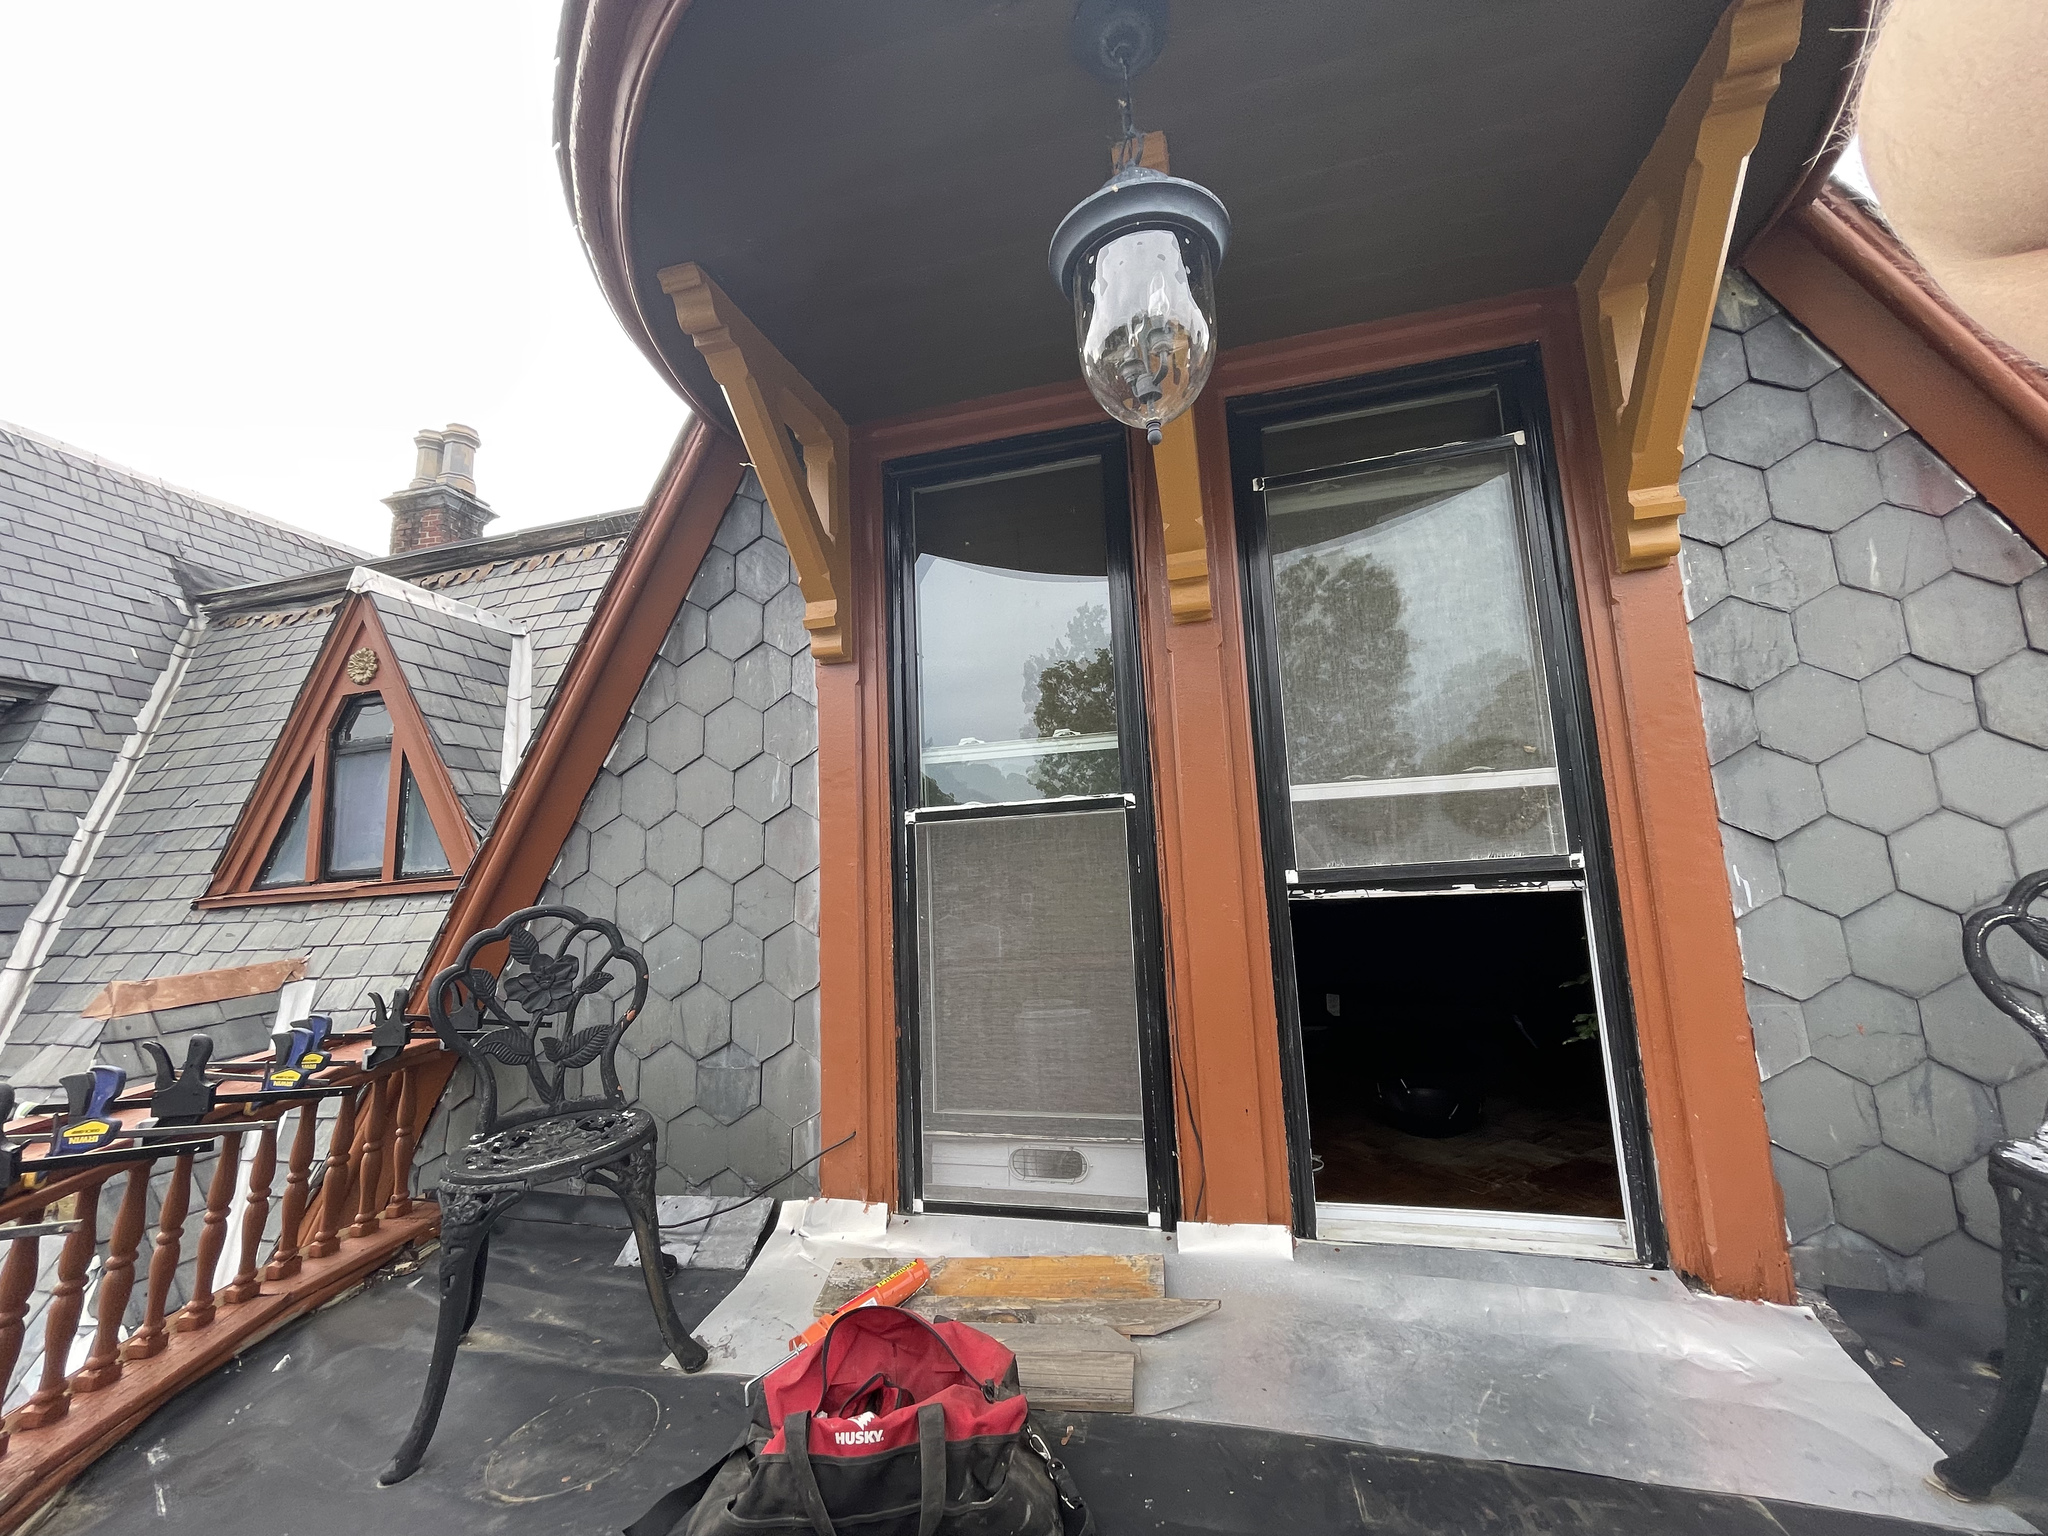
(467, 1216)
(1973, 1472)
(633, 1182)
(476, 1283)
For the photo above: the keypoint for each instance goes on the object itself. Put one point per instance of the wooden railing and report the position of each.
(344, 1209)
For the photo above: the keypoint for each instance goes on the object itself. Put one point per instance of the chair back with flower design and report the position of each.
(525, 1014)
(2016, 1002)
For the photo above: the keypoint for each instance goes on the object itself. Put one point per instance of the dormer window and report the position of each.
(355, 798)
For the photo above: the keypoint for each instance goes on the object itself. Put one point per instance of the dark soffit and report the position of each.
(875, 183)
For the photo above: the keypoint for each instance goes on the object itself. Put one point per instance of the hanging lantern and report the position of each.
(1137, 258)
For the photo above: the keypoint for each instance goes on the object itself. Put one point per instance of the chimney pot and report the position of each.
(458, 456)
(426, 467)
(440, 506)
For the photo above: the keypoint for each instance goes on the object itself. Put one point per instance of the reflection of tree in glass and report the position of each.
(1504, 730)
(1071, 690)
(1344, 667)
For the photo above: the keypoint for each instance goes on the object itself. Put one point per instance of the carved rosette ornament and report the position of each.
(362, 666)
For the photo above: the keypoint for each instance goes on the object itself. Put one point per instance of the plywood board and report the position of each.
(1133, 1319)
(1061, 1277)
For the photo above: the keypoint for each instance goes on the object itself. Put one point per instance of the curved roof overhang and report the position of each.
(874, 184)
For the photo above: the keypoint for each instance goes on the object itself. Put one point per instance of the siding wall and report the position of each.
(1871, 640)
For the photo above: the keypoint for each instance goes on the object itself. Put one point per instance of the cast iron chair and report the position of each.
(525, 1016)
(2019, 1178)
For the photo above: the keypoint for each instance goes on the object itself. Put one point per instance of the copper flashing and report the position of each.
(119, 999)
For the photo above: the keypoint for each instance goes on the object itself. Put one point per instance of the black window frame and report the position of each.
(1516, 376)
(901, 479)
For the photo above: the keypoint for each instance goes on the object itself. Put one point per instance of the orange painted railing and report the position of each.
(340, 1217)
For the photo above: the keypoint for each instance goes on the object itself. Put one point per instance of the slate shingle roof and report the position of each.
(133, 917)
(91, 556)
(458, 674)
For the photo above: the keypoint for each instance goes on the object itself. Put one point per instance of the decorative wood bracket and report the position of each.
(1646, 296)
(1176, 462)
(799, 447)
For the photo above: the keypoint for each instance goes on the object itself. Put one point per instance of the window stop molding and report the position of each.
(302, 749)
(1646, 295)
(799, 446)
(519, 678)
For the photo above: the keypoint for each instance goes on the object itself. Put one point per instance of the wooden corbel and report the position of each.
(1177, 467)
(1646, 295)
(798, 445)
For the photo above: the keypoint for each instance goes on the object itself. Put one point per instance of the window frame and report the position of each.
(303, 758)
(1516, 375)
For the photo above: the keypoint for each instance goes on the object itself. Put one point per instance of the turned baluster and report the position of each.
(163, 1261)
(400, 1178)
(17, 1284)
(257, 1216)
(102, 1367)
(371, 1199)
(334, 1189)
(213, 1235)
(60, 1324)
(284, 1259)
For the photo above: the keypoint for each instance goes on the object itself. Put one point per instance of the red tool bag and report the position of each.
(891, 1426)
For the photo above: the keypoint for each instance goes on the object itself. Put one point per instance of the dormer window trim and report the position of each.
(296, 810)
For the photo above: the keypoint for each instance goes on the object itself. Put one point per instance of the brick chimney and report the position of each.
(440, 506)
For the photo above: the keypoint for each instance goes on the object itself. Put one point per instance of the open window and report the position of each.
(354, 799)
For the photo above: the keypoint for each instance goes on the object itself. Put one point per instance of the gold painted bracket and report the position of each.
(1646, 296)
(799, 447)
(1177, 462)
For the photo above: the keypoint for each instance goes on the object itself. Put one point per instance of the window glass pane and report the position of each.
(1028, 1006)
(365, 721)
(287, 862)
(1016, 691)
(1370, 434)
(358, 789)
(1412, 690)
(419, 845)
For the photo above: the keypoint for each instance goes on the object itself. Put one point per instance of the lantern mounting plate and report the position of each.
(1117, 39)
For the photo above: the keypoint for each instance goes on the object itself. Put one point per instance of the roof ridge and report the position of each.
(172, 488)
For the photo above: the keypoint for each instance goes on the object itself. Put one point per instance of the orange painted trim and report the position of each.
(302, 749)
(1223, 1018)
(1840, 274)
(603, 678)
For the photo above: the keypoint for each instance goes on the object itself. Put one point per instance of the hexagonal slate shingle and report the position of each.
(1723, 500)
(1835, 866)
(1870, 1032)
(1965, 623)
(1918, 705)
(1722, 367)
(1820, 1114)
(1905, 944)
(1899, 1202)
(732, 845)
(1845, 412)
(732, 734)
(1741, 644)
(1779, 352)
(1850, 631)
(728, 1084)
(1729, 715)
(1893, 550)
(1991, 778)
(1952, 861)
(1914, 476)
(2014, 694)
(1780, 565)
(1986, 545)
(1879, 785)
(1824, 486)
(1792, 948)
(1938, 1116)
(1703, 569)
(1752, 862)
(1808, 713)
(1757, 424)
(1964, 1031)
(1767, 793)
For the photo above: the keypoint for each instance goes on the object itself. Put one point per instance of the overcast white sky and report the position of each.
(252, 246)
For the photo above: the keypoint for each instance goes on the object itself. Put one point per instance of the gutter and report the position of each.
(39, 934)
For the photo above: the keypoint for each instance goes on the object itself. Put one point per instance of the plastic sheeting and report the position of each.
(1549, 1362)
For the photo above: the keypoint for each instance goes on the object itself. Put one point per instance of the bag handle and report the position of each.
(931, 1469)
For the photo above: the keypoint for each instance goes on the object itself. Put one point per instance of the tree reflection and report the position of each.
(1344, 666)
(1070, 690)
